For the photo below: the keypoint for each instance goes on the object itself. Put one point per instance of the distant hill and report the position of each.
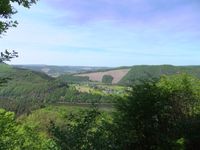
(127, 75)
(27, 89)
(117, 75)
(56, 71)
(155, 71)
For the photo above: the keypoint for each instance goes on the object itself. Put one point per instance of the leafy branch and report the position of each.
(7, 56)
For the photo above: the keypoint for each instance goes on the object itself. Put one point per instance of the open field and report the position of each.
(100, 88)
(116, 74)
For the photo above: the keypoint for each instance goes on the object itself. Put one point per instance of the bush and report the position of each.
(107, 79)
(155, 113)
(85, 130)
(16, 136)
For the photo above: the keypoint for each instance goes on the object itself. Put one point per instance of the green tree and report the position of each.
(7, 56)
(7, 130)
(14, 136)
(153, 116)
(107, 79)
(86, 130)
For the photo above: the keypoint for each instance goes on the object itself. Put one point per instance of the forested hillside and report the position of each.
(144, 72)
(133, 73)
(26, 90)
(73, 79)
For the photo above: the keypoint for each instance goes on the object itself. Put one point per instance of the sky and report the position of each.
(106, 33)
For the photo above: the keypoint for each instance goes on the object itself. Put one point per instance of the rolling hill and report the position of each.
(98, 76)
(27, 89)
(145, 71)
(121, 75)
(126, 75)
(56, 71)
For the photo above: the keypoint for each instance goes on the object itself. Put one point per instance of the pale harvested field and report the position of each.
(97, 76)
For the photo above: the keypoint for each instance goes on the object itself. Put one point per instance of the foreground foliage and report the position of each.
(14, 136)
(86, 130)
(156, 115)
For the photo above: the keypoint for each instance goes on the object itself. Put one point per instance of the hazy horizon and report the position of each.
(98, 66)
(107, 33)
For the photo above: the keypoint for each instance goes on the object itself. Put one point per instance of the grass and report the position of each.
(101, 89)
(4, 68)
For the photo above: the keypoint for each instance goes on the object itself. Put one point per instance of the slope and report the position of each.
(27, 89)
(56, 71)
(117, 75)
(145, 71)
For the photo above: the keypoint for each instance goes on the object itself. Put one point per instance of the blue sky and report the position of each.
(107, 33)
